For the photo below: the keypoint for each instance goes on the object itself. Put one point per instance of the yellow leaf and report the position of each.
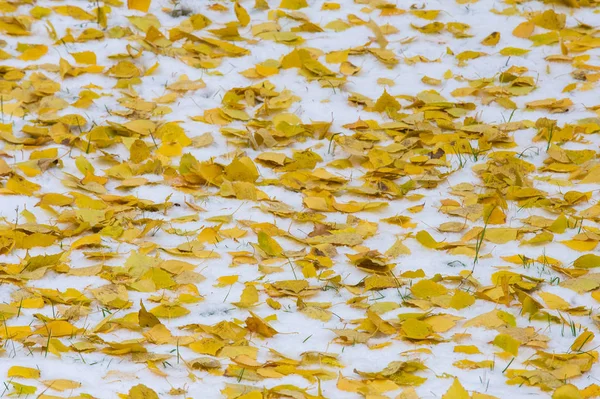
(85, 57)
(140, 5)
(225, 281)
(199, 21)
(541, 238)
(581, 246)
(335, 57)
(415, 329)
(273, 304)
(316, 313)
(442, 322)
(507, 343)
(427, 240)
(141, 391)
(379, 37)
(62, 385)
(386, 102)
(587, 261)
(506, 103)
(432, 28)
(549, 19)
(241, 14)
(258, 325)
(207, 346)
(23, 372)
(554, 301)
(169, 312)
(461, 300)
(74, 12)
(567, 391)
(583, 339)
(408, 393)
(477, 395)
(32, 303)
(268, 244)
(456, 391)
(513, 51)
(426, 14)
(73, 120)
(569, 88)
(293, 4)
(84, 165)
(32, 52)
(469, 55)
(383, 307)
(20, 185)
(349, 69)
(249, 296)
(20, 389)
(468, 349)
(91, 240)
(493, 319)
(500, 235)
(431, 81)
(37, 240)
(492, 39)
(560, 225)
(524, 29)
(242, 169)
(425, 289)
(40, 12)
(251, 395)
(330, 6)
(397, 249)
(145, 318)
(57, 328)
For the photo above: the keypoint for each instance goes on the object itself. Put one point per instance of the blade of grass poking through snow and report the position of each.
(481, 237)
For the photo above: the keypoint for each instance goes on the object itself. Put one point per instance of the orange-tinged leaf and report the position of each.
(145, 318)
(524, 30)
(255, 324)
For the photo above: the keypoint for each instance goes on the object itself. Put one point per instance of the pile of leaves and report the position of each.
(305, 199)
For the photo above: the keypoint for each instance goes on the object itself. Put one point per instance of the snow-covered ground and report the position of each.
(299, 199)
